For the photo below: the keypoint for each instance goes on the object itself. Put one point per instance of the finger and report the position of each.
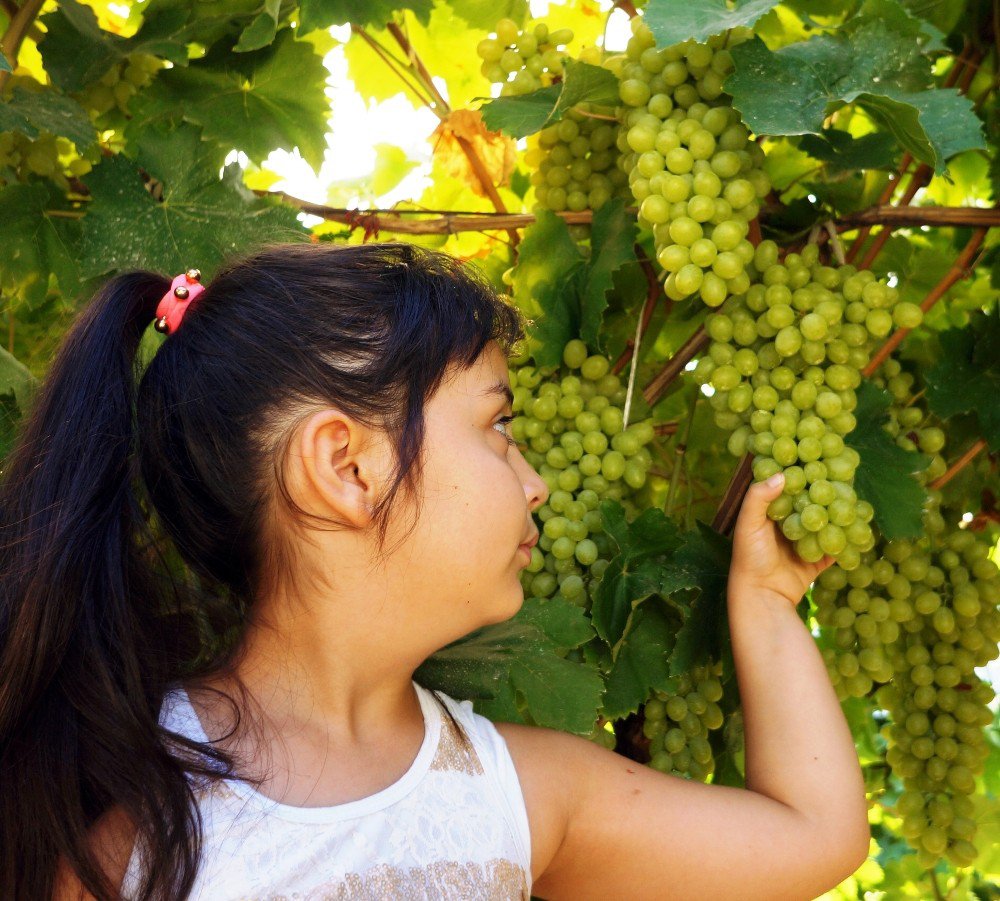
(753, 512)
(825, 562)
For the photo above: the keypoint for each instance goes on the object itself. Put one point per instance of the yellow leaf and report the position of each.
(463, 134)
(261, 179)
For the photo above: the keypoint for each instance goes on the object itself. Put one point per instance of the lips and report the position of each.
(531, 543)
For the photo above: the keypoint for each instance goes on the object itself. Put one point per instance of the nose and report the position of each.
(534, 487)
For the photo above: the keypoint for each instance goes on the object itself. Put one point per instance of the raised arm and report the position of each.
(606, 827)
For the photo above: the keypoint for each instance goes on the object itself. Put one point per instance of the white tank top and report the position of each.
(454, 826)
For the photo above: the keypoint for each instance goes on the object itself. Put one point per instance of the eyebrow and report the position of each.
(501, 389)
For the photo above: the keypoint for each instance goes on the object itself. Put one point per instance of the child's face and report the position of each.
(457, 568)
(478, 496)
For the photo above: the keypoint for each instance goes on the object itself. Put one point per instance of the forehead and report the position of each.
(487, 380)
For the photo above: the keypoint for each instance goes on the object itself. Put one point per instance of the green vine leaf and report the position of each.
(525, 114)
(636, 571)
(885, 475)
(258, 102)
(842, 152)
(702, 565)
(491, 665)
(31, 112)
(521, 115)
(673, 21)
(966, 378)
(262, 30)
(545, 280)
(484, 14)
(879, 65)
(612, 241)
(16, 380)
(4, 65)
(643, 662)
(35, 244)
(76, 51)
(315, 14)
(200, 220)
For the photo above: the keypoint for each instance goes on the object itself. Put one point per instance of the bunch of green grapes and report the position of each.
(47, 155)
(574, 162)
(918, 617)
(677, 723)
(572, 423)
(115, 88)
(521, 61)
(692, 165)
(937, 703)
(784, 363)
(911, 423)
(868, 606)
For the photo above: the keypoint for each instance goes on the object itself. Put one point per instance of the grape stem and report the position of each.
(934, 884)
(961, 268)
(641, 323)
(628, 7)
(581, 112)
(10, 8)
(648, 308)
(658, 385)
(393, 63)
(725, 517)
(17, 29)
(959, 465)
(679, 451)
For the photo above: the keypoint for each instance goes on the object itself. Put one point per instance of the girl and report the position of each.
(323, 441)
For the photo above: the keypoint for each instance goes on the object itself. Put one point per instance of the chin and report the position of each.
(500, 614)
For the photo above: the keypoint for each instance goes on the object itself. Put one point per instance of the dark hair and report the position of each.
(112, 484)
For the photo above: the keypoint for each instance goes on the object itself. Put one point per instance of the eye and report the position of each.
(502, 421)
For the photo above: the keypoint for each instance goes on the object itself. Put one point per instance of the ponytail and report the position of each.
(84, 650)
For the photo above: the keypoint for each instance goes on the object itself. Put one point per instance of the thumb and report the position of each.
(758, 496)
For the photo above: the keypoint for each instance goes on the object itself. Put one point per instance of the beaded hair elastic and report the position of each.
(172, 306)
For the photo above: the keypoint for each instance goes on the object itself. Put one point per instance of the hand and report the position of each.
(763, 559)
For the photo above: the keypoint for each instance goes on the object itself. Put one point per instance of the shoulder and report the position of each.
(111, 840)
(550, 765)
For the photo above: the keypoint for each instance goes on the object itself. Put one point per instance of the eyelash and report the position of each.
(503, 420)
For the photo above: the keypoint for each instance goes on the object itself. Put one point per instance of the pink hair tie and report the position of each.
(172, 306)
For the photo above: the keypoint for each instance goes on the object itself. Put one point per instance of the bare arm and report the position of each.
(800, 826)
(799, 748)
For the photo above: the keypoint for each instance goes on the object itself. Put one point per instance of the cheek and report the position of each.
(485, 501)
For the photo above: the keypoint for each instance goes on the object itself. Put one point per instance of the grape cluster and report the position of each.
(692, 166)
(116, 87)
(784, 363)
(573, 425)
(574, 162)
(521, 61)
(911, 423)
(47, 155)
(923, 614)
(677, 723)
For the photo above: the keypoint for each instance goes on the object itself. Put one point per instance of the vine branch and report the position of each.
(959, 269)
(725, 516)
(959, 464)
(441, 107)
(449, 222)
(17, 29)
(658, 385)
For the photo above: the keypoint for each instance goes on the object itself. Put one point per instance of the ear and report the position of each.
(334, 460)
